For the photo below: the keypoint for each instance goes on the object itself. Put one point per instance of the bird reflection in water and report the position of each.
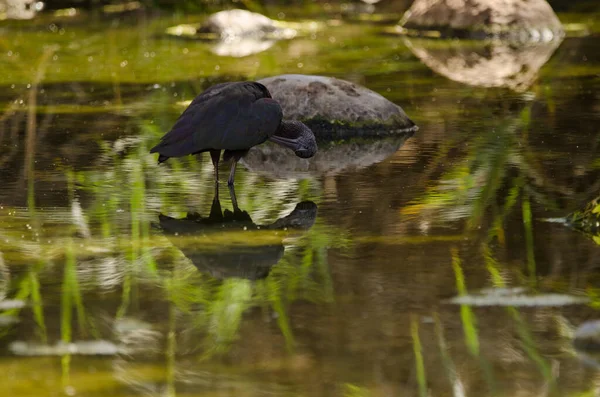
(229, 244)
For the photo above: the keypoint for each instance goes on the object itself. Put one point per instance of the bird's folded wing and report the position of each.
(234, 116)
(201, 126)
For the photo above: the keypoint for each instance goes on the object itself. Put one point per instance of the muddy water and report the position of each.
(406, 266)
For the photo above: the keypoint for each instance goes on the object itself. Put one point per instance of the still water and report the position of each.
(404, 266)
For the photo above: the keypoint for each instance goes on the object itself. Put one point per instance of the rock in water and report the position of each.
(523, 20)
(19, 9)
(236, 33)
(239, 23)
(337, 109)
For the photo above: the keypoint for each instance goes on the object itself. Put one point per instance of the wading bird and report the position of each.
(233, 117)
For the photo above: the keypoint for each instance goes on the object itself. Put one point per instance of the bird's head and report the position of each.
(297, 136)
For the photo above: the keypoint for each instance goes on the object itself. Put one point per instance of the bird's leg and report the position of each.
(232, 173)
(214, 156)
(235, 156)
(233, 199)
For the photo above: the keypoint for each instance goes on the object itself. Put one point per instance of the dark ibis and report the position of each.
(233, 117)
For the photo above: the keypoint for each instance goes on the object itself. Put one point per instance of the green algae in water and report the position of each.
(336, 305)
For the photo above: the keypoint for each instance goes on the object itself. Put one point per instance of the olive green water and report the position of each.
(351, 294)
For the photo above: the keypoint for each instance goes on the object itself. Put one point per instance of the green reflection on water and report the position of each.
(91, 263)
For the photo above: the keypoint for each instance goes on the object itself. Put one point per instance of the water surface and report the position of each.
(334, 281)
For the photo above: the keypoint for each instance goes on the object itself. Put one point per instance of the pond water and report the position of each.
(405, 266)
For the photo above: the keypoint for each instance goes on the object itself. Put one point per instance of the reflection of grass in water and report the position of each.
(418, 351)
(470, 328)
(29, 289)
(350, 390)
(122, 194)
(37, 305)
(300, 274)
(527, 342)
(496, 230)
(223, 303)
(529, 241)
(225, 312)
(498, 279)
(469, 322)
(171, 352)
(465, 191)
(457, 385)
(479, 177)
(469, 189)
(466, 314)
(66, 312)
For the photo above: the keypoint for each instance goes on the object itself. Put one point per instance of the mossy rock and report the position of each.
(337, 109)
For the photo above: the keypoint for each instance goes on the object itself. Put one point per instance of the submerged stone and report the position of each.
(19, 9)
(238, 23)
(236, 33)
(522, 20)
(495, 64)
(234, 25)
(337, 109)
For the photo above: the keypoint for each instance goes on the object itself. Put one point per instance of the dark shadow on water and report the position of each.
(229, 244)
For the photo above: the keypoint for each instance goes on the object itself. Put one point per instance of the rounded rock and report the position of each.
(336, 109)
(521, 20)
(238, 23)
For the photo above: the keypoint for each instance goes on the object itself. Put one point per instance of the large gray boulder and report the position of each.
(337, 109)
(523, 20)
